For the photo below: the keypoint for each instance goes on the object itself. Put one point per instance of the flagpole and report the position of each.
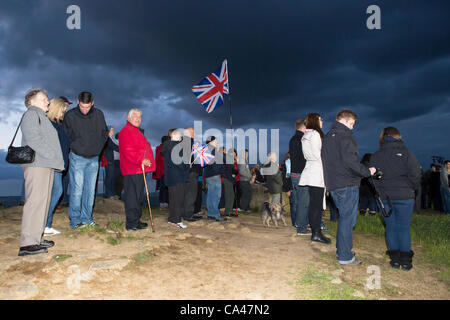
(229, 104)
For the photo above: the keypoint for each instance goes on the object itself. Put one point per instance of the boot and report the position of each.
(395, 258)
(406, 260)
(317, 236)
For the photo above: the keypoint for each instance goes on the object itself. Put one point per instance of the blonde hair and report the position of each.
(56, 110)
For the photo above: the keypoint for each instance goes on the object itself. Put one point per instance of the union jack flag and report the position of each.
(212, 90)
(202, 153)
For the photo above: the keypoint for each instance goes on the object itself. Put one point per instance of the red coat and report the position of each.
(157, 175)
(133, 149)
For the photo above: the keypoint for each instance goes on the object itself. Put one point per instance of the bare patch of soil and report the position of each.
(237, 259)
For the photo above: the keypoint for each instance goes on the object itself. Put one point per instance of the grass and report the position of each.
(114, 241)
(61, 257)
(96, 228)
(317, 285)
(431, 230)
(116, 225)
(143, 257)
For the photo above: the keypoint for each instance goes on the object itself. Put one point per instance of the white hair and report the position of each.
(134, 110)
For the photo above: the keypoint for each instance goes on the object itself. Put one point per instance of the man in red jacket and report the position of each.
(135, 151)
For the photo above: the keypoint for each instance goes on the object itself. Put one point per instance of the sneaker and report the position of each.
(219, 219)
(179, 225)
(47, 243)
(355, 262)
(304, 233)
(80, 225)
(51, 231)
(324, 229)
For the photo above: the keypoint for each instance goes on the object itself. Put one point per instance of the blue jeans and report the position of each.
(445, 194)
(65, 183)
(83, 177)
(346, 201)
(293, 200)
(213, 196)
(333, 210)
(56, 195)
(397, 225)
(302, 218)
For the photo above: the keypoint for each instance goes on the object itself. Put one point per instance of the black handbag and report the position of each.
(20, 155)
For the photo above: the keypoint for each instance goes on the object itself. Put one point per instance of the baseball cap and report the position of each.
(65, 100)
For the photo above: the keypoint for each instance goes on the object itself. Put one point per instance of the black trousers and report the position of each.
(176, 202)
(246, 194)
(134, 193)
(315, 207)
(190, 195)
(163, 191)
(118, 178)
(198, 200)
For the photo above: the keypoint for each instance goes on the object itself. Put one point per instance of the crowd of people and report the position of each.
(319, 170)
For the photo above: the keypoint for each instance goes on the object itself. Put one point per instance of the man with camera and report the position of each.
(342, 174)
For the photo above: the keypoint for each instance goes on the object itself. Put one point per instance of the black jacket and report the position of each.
(197, 168)
(109, 151)
(341, 166)
(213, 168)
(64, 142)
(298, 161)
(173, 173)
(87, 133)
(401, 171)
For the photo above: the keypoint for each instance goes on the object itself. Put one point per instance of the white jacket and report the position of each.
(312, 175)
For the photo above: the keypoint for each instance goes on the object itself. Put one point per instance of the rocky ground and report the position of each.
(237, 259)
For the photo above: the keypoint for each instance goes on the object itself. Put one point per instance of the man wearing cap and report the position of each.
(213, 171)
(65, 177)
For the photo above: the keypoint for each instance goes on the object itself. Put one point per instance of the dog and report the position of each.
(274, 212)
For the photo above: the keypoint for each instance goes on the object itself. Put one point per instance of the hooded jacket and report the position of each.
(88, 133)
(216, 166)
(173, 173)
(401, 170)
(341, 166)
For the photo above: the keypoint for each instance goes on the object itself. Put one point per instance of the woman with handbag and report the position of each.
(39, 134)
(55, 114)
(400, 179)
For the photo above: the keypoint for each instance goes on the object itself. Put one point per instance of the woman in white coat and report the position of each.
(312, 175)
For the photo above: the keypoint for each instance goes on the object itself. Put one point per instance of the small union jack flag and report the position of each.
(201, 153)
(212, 90)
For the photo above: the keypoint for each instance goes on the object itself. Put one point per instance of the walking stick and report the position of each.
(148, 199)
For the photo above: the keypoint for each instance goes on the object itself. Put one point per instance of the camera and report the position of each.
(378, 174)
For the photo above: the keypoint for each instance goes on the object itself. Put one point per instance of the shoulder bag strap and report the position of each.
(17, 130)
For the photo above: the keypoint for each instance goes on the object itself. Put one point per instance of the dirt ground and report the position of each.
(237, 259)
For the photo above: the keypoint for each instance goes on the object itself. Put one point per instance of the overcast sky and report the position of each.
(286, 59)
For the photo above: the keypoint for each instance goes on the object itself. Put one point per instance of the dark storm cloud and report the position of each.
(286, 58)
